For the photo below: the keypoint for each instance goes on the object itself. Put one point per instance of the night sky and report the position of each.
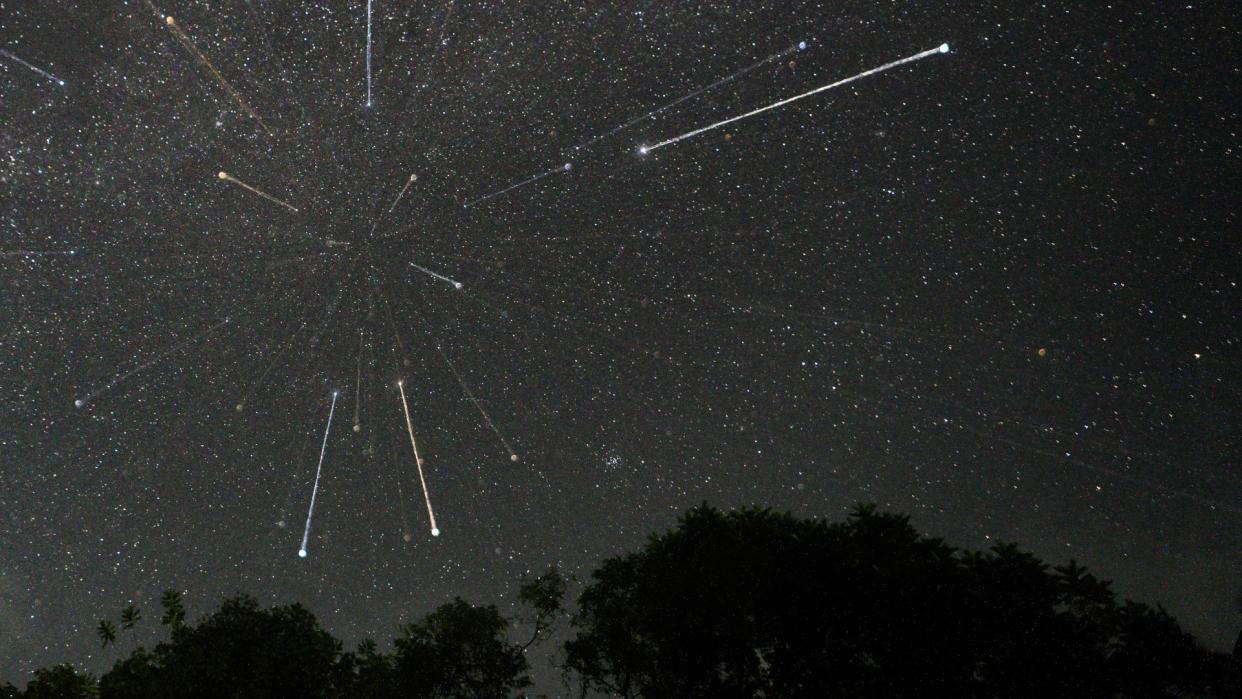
(995, 288)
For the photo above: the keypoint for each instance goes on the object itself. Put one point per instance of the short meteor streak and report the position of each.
(943, 48)
(456, 284)
(193, 49)
(800, 46)
(33, 67)
(564, 168)
(358, 388)
(418, 460)
(470, 394)
(315, 491)
(81, 402)
(401, 194)
(229, 178)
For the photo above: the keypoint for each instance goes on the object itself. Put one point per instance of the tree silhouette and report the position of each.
(129, 617)
(741, 604)
(106, 631)
(61, 682)
(239, 651)
(757, 603)
(459, 650)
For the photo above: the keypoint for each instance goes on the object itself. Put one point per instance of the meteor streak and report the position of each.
(35, 253)
(441, 277)
(315, 491)
(193, 49)
(418, 461)
(358, 387)
(943, 48)
(800, 46)
(33, 67)
(402, 192)
(368, 53)
(564, 168)
(81, 402)
(229, 178)
(470, 394)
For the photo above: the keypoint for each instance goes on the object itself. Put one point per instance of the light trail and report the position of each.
(81, 402)
(193, 49)
(396, 469)
(33, 67)
(318, 471)
(397, 200)
(35, 253)
(418, 460)
(401, 194)
(564, 168)
(800, 46)
(456, 284)
(358, 387)
(943, 48)
(229, 178)
(368, 53)
(469, 394)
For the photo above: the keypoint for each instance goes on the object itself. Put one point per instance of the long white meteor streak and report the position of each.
(800, 46)
(81, 402)
(35, 68)
(441, 277)
(418, 460)
(564, 168)
(368, 53)
(943, 48)
(315, 491)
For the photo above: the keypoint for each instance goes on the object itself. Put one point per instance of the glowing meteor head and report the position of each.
(801, 45)
(335, 393)
(643, 150)
(944, 48)
(222, 175)
(400, 383)
(79, 403)
(568, 167)
(457, 285)
(435, 532)
(513, 457)
(169, 20)
(301, 553)
(413, 177)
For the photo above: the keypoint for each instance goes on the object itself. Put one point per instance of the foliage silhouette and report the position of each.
(758, 603)
(741, 604)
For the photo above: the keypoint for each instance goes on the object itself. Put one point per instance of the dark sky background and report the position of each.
(841, 300)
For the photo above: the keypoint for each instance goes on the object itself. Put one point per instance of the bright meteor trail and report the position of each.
(418, 460)
(229, 178)
(368, 53)
(456, 284)
(315, 491)
(943, 48)
(35, 68)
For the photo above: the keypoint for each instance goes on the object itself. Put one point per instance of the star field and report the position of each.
(996, 289)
